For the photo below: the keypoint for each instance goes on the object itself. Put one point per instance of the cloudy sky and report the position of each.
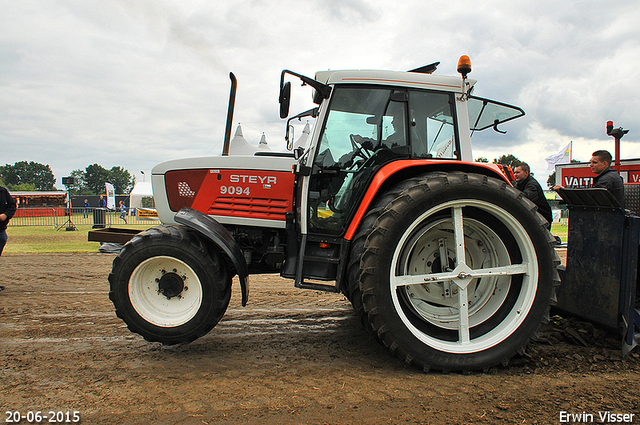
(133, 83)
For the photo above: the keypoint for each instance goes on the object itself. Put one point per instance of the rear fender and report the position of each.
(415, 167)
(222, 239)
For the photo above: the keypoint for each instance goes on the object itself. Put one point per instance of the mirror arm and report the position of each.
(313, 112)
(323, 89)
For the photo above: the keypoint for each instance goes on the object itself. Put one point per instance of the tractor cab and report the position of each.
(366, 121)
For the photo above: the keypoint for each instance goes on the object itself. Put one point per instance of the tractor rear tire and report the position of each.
(352, 290)
(168, 287)
(457, 272)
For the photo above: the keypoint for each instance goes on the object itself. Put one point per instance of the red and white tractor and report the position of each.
(444, 261)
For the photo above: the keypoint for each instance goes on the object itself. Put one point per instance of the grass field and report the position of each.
(560, 230)
(39, 239)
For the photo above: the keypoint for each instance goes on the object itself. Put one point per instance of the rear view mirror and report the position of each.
(289, 137)
(285, 99)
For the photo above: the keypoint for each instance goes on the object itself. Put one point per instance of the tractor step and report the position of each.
(317, 286)
(321, 258)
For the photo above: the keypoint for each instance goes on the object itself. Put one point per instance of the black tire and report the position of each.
(352, 289)
(168, 287)
(416, 306)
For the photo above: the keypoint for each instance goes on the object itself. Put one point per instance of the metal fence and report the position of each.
(64, 217)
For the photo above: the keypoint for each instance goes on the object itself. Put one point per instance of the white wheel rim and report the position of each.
(154, 306)
(468, 301)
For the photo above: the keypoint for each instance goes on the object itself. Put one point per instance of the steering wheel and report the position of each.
(358, 148)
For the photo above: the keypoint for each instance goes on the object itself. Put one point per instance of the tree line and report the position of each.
(32, 176)
(508, 160)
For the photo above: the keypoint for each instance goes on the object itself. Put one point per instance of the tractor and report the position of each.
(443, 260)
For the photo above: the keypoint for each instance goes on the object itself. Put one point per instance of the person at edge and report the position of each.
(7, 210)
(607, 177)
(532, 190)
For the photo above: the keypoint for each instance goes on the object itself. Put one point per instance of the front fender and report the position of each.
(221, 238)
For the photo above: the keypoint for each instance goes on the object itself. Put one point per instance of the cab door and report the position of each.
(364, 128)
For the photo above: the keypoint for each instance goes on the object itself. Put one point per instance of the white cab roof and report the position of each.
(394, 78)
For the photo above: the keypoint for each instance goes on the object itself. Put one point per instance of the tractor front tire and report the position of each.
(168, 286)
(457, 272)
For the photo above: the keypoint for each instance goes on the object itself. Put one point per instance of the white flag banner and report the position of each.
(562, 157)
(111, 196)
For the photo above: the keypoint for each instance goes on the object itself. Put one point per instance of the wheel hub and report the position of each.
(436, 265)
(170, 285)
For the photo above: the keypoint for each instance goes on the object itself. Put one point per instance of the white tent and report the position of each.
(239, 145)
(302, 140)
(263, 144)
(140, 190)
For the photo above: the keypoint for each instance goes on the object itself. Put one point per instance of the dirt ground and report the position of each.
(289, 357)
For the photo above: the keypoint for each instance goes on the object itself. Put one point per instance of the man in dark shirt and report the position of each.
(7, 209)
(532, 190)
(607, 177)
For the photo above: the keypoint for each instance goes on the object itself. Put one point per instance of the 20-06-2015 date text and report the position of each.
(36, 417)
